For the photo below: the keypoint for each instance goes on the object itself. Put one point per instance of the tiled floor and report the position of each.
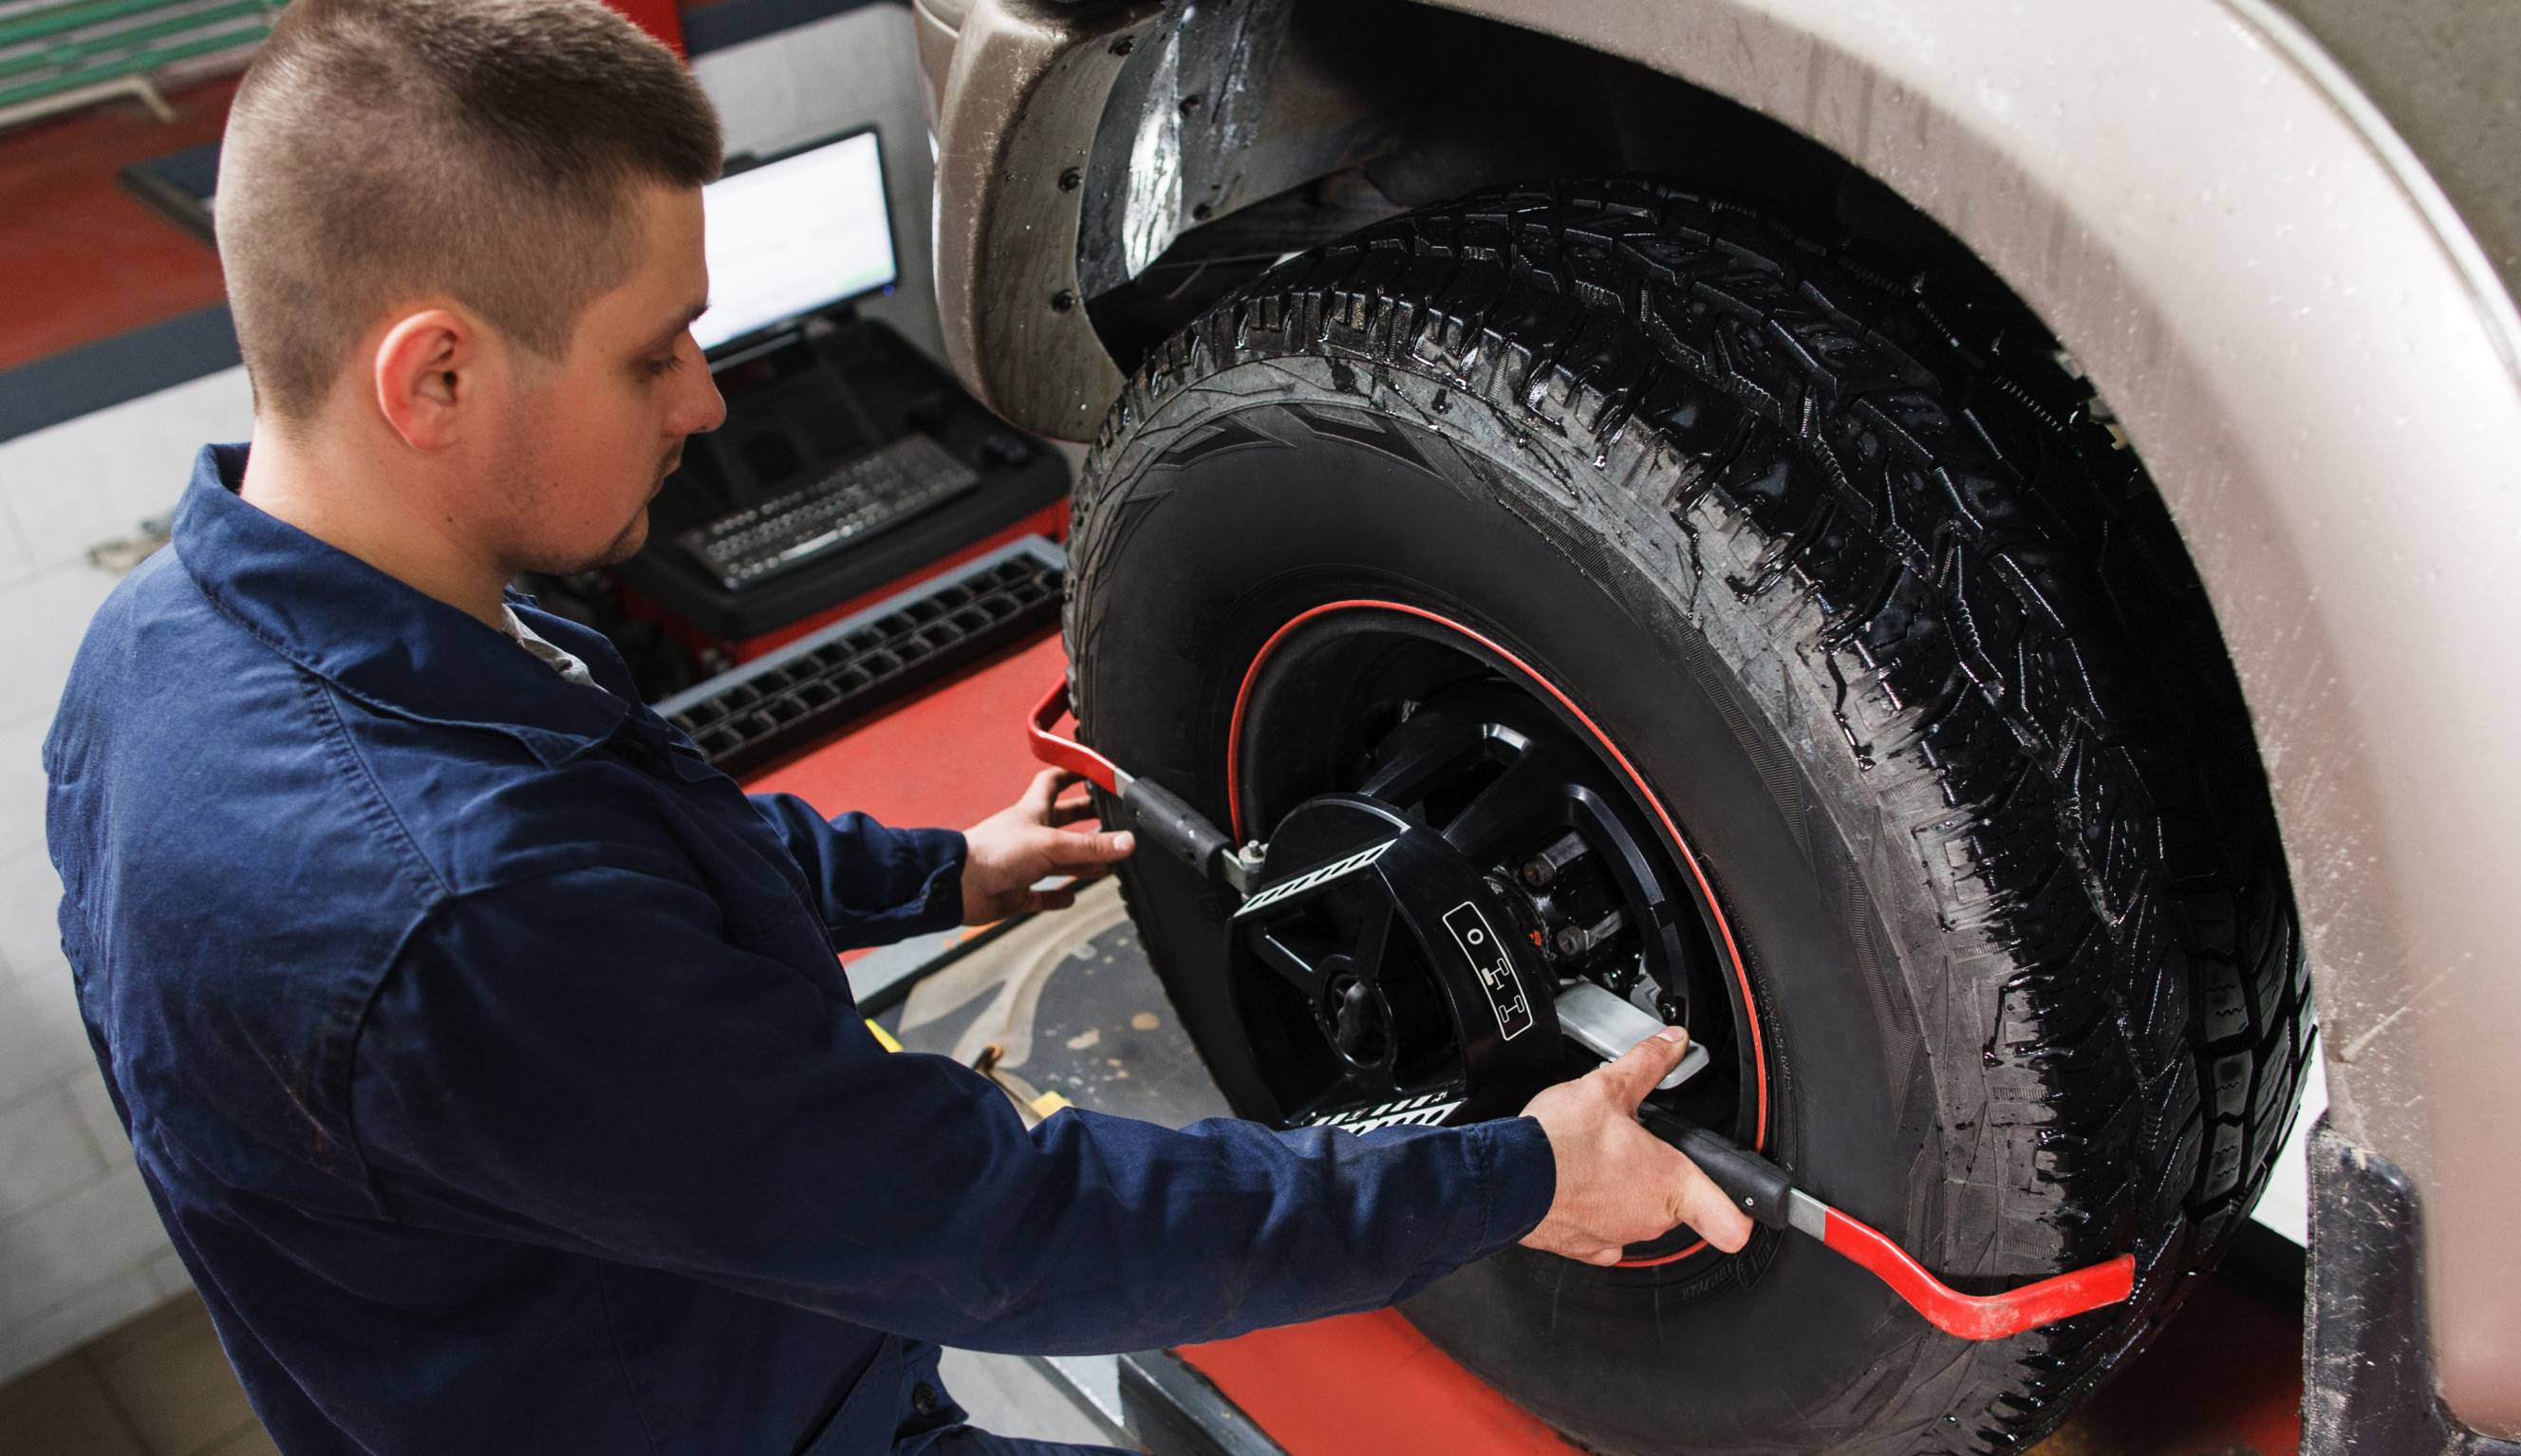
(156, 1387)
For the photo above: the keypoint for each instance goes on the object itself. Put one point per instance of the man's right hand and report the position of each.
(1619, 1184)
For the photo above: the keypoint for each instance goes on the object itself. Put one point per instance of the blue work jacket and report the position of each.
(488, 1058)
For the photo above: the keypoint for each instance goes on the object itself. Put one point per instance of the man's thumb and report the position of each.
(1647, 1062)
(1079, 849)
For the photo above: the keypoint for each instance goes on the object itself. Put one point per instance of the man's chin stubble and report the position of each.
(633, 535)
(626, 545)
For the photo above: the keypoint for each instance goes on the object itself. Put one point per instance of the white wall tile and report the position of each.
(42, 1041)
(104, 1303)
(45, 617)
(46, 1150)
(144, 449)
(168, 1272)
(76, 1258)
(55, 971)
(214, 409)
(95, 1108)
(97, 478)
(56, 1253)
(21, 781)
(51, 488)
(16, 559)
(30, 895)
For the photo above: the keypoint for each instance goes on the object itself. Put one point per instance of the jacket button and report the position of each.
(922, 1398)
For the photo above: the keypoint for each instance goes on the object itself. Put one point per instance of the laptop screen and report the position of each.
(794, 234)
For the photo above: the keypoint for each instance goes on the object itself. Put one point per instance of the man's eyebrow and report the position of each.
(667, 334)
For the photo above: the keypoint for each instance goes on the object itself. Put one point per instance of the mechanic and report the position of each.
(484, 1050)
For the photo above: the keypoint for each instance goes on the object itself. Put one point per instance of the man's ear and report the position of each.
(429, 370)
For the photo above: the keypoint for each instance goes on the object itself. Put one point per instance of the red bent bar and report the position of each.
(1979, 1316)
(1067, 752)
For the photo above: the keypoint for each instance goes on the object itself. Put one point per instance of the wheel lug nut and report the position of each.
(1543, 866)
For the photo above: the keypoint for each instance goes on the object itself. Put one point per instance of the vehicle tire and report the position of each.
(1899, 635)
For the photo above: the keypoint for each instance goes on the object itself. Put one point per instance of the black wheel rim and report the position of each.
(1416, 711)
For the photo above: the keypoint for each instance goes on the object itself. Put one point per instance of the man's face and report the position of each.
(585, 445)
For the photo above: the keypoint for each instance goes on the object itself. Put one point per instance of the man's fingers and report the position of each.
(1647, 1062)
(1079, 851)
(1696, 1200)
(1072, 811)
(1039, 794)
(1050, 900)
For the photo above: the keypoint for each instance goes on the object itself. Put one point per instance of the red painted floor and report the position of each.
(81, 258)
(1367, 1383)
(951, 756)
(2225, 1379)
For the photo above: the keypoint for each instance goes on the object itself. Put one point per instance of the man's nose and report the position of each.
(706, 409)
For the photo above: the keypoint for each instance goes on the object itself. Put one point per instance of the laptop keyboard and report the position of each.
(850, 502)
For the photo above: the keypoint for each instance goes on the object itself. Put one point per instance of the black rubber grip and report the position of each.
(1183, 832)
(1756, 1186)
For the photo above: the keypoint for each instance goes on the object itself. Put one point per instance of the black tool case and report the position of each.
(840, 390)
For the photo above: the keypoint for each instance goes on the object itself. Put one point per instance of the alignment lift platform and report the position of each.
(1072, 1009)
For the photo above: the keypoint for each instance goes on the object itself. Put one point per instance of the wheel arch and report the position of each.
(2307, 348)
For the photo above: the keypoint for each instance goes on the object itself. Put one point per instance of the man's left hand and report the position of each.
(1030, 841)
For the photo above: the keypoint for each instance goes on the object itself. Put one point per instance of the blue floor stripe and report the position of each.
(97, 375)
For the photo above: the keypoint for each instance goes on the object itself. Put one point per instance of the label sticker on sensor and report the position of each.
(1496, 969)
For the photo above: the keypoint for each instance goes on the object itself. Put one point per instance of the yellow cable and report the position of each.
(1042, 1107)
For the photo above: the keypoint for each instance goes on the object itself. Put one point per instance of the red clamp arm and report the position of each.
(1067, 752)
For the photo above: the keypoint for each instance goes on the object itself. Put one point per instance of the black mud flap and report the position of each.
(2367, 1371)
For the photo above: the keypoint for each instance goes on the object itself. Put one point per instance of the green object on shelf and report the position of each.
(83, 49)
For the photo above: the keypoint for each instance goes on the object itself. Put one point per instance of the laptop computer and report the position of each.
(793, 239)
(837, 431)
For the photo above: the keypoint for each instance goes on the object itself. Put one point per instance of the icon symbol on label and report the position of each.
(1496, 974)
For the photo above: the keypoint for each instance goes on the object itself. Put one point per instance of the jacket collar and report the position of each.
(379, 641)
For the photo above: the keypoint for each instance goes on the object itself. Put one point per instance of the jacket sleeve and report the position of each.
(876, 884)
(587, 1061)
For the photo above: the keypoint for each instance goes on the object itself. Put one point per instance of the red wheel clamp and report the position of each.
(1162, 816)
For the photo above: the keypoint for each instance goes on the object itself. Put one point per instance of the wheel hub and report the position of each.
(1407, 962)
(1359, 1025)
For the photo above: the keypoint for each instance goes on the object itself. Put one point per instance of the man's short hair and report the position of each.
(380, 151)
